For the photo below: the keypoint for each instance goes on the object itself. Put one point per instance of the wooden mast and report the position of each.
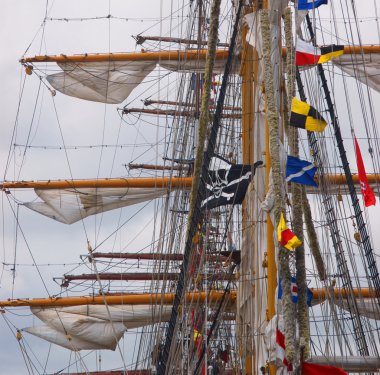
(249, 74)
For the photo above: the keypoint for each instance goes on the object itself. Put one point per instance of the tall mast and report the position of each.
(248, 71)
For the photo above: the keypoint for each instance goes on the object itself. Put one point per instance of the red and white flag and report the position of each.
(368, 195)
(281, 351)
(307, 54)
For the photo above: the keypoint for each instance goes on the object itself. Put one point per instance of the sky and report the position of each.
(70, 122)
(63, 120)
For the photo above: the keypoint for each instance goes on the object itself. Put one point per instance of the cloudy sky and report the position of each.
(56, 247)
(47, 121)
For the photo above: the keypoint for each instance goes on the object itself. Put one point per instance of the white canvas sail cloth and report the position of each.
(71, 205)
(365, 69)
(93, 327)
(112, 81)
(106, 82)
(367, 307)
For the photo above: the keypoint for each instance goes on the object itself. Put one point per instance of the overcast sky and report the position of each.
(81, 124)
(76, 123)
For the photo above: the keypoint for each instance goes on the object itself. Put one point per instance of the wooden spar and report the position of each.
(153, 256)
(171, 112)
(122, 372)
(227, 371)
(141, 39)
(120, 299)
(171, 102)
(127, 56)
(134, 276)
(155, 167)
(123, 276)
(353, 50)
(319, 294)
(160, 182)
(139, 256)
(165, 55)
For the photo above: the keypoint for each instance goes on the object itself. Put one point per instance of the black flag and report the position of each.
(226, 183)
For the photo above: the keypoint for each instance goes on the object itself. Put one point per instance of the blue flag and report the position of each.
(310, 4)
(294, 291)
(300, 171)
(309, 297)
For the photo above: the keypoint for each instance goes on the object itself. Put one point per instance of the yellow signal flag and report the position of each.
(330, 52)
(305, 116)
(285, 236)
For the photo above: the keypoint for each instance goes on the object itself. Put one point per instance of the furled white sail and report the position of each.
(59, 337)
(365, 69)
(71, 205)
(91, 327)
(107, 82)
(366, 306)
(111, 82)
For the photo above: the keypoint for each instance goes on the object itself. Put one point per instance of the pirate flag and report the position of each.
(227, 183)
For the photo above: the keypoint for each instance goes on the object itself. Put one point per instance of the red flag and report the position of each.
(314, 369)
(368, 195)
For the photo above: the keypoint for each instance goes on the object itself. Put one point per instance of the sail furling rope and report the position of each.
(297, 201)
(278, 183)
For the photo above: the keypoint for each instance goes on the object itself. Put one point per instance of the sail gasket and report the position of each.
(208, 154)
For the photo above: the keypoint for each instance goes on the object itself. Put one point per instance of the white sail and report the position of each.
(93, 327)
(111, 82)
(107, 82)
(367, 307)
(365, 68)
(73, 343)
(71, 205)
